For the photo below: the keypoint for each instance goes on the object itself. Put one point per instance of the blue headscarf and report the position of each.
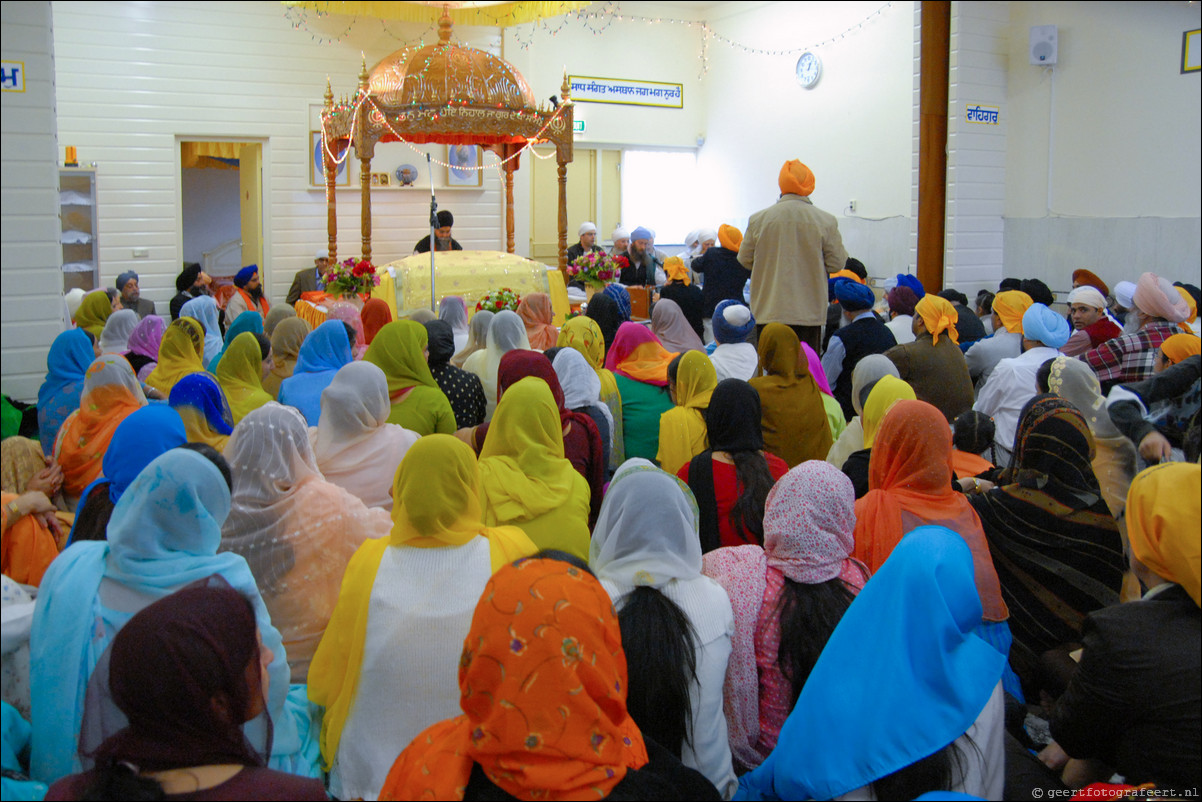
(906, 280)
(852, 295)
(247, 321)
(915, 624)
(621, 297)
(68, 360)
(204, 310)
(323, 352)
(163, 535)
(1044, 325)
(244, 275)
(202, 392)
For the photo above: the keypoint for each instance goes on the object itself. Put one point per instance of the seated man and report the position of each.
(1131, 357)
(1006, 342)
(862, 335)
(641, 271)
(131, 296)
(192, 282)
(587, 243)
(902, 301)
(732, 355)
(248, 295)
(309, 279)
(934, 364)
(1091, 326)
(621, 238)
(442, 236)
(969, 328)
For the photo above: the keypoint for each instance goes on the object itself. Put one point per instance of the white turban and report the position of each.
(586, 228)
(1124, 294)
(321, 253)
(1090, 296)
(621, 233)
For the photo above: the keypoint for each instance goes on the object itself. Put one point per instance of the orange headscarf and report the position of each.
(1010, 306)
(636, 353)
(1181, 346)
(1162, 523)
(28, 546)
(910, 485)
(674, 267)
(1086, 278)
(375, 316)
(795, 179)
(845, 273)
(110, 394)
(543, 693)
(729, 237)
(939, 316)
(535, 312)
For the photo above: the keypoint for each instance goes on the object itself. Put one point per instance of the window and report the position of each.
(661, 190)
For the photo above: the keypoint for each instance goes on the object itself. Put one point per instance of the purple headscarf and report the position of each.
(146, 336)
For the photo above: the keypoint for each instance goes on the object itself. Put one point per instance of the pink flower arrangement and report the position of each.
(596, 269)
(351, 276)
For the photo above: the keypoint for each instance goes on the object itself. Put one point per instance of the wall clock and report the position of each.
(809, 70)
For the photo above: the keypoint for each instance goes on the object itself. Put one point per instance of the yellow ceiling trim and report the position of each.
(499, 15)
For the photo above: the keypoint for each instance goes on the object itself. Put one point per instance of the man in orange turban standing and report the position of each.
(790, 248)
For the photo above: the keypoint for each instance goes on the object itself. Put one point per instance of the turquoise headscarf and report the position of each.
(322, 353)
(204, 309)
(247, 321)
(68, 360)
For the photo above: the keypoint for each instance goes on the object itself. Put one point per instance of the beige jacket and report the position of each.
(790, 247)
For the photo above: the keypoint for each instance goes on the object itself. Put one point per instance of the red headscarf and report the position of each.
(375, 315)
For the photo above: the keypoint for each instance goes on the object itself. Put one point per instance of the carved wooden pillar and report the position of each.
(563, 219)
(935, 35)
(331, 172)
(509, 206)
(365, 205)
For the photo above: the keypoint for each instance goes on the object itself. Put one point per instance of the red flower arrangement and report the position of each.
(597, 268)
(499, 300)
(351, 276)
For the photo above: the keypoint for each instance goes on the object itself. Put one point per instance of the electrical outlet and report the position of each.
(141, 253)
(851, 205)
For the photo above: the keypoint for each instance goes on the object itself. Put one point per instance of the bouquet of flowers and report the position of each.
(499, 300)
(350, 277)
(596, 269)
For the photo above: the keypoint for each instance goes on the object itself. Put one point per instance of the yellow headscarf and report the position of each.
(730, 237)
(887, 392)
(240, 374)
(397, 350)
(674, 267)
(682, 433)
(939, 316)
(1193, 310)
(795, 179)
(94, 312)
(1010, 306)
(437, 503)
(1181, 346)
(180, 353)
(583, 334)
(1163, 523)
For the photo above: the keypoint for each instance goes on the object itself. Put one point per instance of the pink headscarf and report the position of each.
(1157, 297)
(348, 313)
(816, 371)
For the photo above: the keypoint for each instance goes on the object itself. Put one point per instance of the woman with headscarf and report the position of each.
(582, 394)
(111, 393)
(163, 535)
(349, 314)
(94, 312)
(671, 329)
(417, 402)
(204, 310)
(681, 291)
(583, 335)
(138, 440)
(787, 598)
(180, 354)
(620, 296)
(31, 535)
(355, 446)
(525, 480)
(204, 409)
(544, 645)
(877, 399)
(296, 530)
(286, 342)
(70, 355)
(144, 342)
(248, 294)
(240, 373)
(834, 413)
(867, 373)
(536, 314)
(246, 322)
(185, 674)
(731, 479)
(418, 585)
(934, 721)
(452, 309)
(1054, 542)
(276, 316)
(321, 354)
(477, 337)
(691, 382)
(640, 367)
(506, 332)
(676, 624)
(114, 339)
(603, 310)
(794, 418)
(462, 389)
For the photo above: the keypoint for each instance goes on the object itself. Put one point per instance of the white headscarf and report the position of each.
(204, 309)
(477, 337)
(506, 332)
(580, 384)
(354, 445)
(115, 337)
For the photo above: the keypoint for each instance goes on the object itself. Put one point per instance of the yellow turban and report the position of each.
(795, 179)
(1010, 307)
(939, 316)
(729, 237)
(1181, 346)
(1163, 523)
(674, 267)
(1193, 309)
(845, 273)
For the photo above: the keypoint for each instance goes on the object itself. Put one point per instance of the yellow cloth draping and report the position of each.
(939, 316)
(180, 353)
(793, 417)
(1010, 306)
(397, 350)
(584, 335)
(93, 312)
(240, 374)
(1163, 523)
(498, 15)
(682, 433)
(1181, 346)
(887, 392)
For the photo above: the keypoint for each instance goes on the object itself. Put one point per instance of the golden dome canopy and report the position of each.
(443, 74)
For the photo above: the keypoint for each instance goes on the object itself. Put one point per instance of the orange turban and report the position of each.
(1010, 305)
(729, 237)
(1085, 278)
(845, 273)
(674, 267)
(939, 316)
(1162, 522)
(1181, 346)
(795, 179)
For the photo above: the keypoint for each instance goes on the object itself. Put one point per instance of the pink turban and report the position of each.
(1157, 297)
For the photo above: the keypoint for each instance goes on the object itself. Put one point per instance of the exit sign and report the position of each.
(577, 126)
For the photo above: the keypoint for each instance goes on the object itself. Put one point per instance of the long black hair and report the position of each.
(808, 615)
(973, 433)
(941, 771)
(661, 664)
(733, 424)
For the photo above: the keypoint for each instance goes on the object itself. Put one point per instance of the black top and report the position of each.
(664, 777)
(861, 338)
(178, 302)
(689, 299)
(638, 275)
(724, 277)
(1174, 382)
(576, 250)
(464, 391)
(250, 783)
(969, 327)
(856, 469)
(1135, 701)
(423, 245)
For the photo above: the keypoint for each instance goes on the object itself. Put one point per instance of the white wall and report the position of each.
(31, 283)
(210, 211)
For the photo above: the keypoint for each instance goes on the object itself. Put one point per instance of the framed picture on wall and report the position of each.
(1191, 51)
(317, 176)
(464, 162)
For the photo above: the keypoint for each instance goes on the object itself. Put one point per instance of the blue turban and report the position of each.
(244, 275)
(1044, 325)
(621, 297)
(125, 278)
(906, 280)
(853, 296)
(735, 328)
(640, 233)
